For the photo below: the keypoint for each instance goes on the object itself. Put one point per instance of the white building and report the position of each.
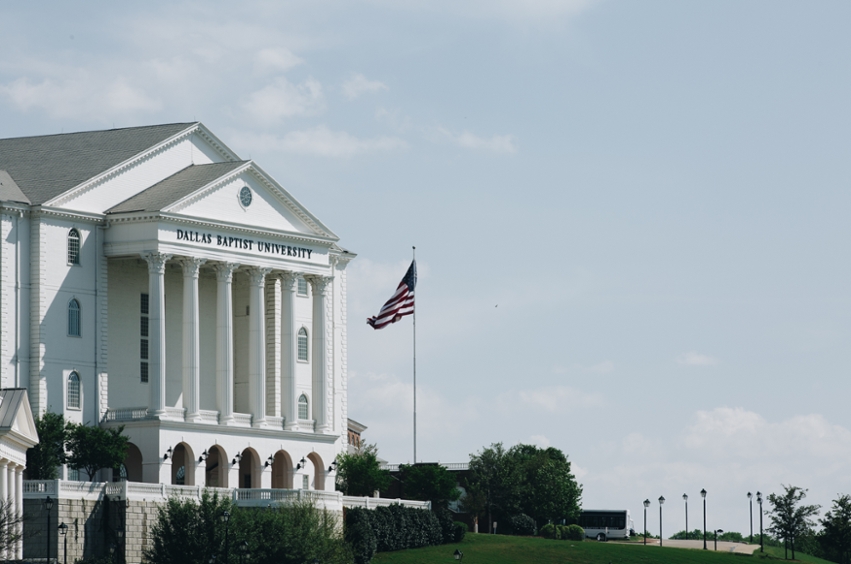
(151, 278)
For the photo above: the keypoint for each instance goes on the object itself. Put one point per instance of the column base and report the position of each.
(258, 423)
(193, 417)
(226, 420)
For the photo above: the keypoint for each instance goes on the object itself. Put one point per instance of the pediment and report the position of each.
(249, 197)
(16, 418)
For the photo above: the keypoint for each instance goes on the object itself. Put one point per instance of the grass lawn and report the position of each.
(501, 549)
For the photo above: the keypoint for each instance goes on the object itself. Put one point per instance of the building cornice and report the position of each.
(245, 432)
(62, 213)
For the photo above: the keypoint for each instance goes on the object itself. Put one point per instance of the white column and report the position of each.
(156, 327)
(289, 399)
(257, 345)
(19, 508)
(273, 347)
(10, 495)
(224, 341)
(191, 339)
(4, 494)
(319, 285)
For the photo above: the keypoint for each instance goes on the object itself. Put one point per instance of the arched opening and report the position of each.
(303, 411)
(132, 464)
(302, 344)
(217, 468)
(73, 247)
(282, 471)
(318, 471)
(183, 466)
(249, 469)
(73, 318)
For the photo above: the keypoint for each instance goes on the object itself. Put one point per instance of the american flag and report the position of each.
(401, 304)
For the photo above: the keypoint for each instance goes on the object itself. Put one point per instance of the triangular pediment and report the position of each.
(230, 193)
(16, 419)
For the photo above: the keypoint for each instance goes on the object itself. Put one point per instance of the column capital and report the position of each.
(319, 283)
(224, 271)
(191, 266)
(156, 262)
(257, 274)
(288, 279)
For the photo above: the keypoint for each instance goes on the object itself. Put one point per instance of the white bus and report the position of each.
(604, 524)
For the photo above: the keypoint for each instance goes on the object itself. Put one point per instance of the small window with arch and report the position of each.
(302, 407)
(73, 318)
(74, 247)
(73, 392)
(302, 344)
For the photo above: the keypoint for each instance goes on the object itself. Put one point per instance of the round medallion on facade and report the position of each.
(245, 196)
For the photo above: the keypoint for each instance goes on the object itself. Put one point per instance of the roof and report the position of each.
(48, 165)
(16, 420)
(355, 426)
(175, 187)
(9, 189)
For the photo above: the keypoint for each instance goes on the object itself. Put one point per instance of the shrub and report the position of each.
(550, 531)
(390, 528)
(573, 532)
(522, 525)
(459, 530)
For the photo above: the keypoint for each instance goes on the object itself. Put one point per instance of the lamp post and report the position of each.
(750, 504)
(112, 552)
(48, 504)
(685, 499)
(119, 544)
(661, 501)
(646, 505)
(458, 555)
(63, 528)
(225, 517)
(703, 495)
(759, 501)
(716, 538)
(243, 551)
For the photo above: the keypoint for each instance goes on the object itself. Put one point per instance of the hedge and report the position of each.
(390, 528)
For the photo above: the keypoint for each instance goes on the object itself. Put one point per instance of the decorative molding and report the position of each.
(224, 271)
(191, 266)
(319, 284)
(257, 275)
(288, 279)
(156, 262)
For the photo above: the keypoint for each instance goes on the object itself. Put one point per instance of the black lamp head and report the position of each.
(703, 494)
(168, 453)
(646, 503)
(63, 528)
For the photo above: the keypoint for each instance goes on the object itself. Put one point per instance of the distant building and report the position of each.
(355, 430)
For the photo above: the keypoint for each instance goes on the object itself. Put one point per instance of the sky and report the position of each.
(631, 218)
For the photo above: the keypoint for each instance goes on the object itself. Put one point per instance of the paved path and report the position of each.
(736, 547)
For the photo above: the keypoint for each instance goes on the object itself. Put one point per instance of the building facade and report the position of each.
(151, 278)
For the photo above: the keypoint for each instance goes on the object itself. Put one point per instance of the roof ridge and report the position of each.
(183, 123)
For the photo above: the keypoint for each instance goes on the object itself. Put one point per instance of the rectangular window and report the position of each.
(144, 329)
(73, 474)
(305, 482)
(302, 286)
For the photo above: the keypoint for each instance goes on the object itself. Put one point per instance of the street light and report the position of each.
(63, 528)
(646, 505)
(225, 517)
(759, 501)
(111, 552)
(685, 499)
(716, 538)
(703, 495)
(661, 501)
(750, 503)
(458, 555)
(48, 504)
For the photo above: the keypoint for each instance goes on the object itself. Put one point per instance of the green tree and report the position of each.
(496, 479)
(790, 519)
(92, 447)
(835, 538)
(360, 474)
(549, 490)
(44, 459)
(429, 482)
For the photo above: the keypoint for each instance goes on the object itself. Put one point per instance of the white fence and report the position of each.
(253, 497)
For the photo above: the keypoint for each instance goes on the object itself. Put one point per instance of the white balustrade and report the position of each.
(127, 414)
(242, 420)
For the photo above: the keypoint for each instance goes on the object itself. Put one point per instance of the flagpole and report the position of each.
(415, 370)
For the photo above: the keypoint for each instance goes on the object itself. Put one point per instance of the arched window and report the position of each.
(73, 393)
(302, 407)
(74, 318)
(73, 247)
(302, 344)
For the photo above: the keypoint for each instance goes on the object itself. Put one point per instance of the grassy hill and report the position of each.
(500, 549)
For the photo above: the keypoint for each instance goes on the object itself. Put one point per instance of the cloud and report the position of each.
(495, 144)
(318, 141)
(512, 11)
(551, 398)
(539, 440)
(696, 359)
(359, 84)
(283, 99)
(69, 97)
(275, 60)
